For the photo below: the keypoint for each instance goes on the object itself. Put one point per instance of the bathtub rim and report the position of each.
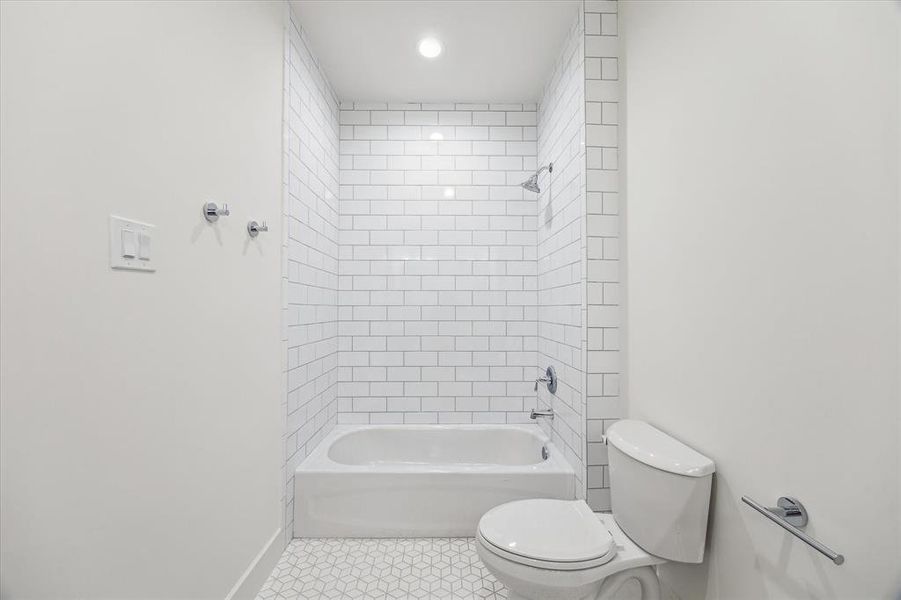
(318, 461)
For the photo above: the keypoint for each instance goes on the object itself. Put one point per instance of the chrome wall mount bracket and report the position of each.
(254, 228)
(791, 510)
(212, 212)
(550, 378)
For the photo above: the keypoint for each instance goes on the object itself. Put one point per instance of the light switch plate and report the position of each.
(117, 258)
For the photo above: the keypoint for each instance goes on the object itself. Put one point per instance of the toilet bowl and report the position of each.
(544, 549)
(561, 551)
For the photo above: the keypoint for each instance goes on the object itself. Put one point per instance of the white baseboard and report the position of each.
(253, 578)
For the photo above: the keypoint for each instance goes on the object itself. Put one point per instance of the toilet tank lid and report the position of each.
(654, 448)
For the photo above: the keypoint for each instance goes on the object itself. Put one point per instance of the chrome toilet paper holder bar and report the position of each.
(790, 515)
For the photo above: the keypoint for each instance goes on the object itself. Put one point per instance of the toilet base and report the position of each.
(645, 576)
(610, 587)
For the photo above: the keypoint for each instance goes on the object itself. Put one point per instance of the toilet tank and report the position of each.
(660, 490)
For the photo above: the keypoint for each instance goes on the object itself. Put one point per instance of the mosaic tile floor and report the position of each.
(381, 569)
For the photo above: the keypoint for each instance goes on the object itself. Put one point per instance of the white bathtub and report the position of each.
(422, 480)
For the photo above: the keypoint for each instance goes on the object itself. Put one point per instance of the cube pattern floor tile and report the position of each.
(380, 569)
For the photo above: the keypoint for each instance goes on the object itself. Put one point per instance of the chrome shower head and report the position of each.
(531, 183)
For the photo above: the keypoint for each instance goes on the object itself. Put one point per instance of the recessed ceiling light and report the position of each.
(436, 135)
(448, 192)
(429, 47)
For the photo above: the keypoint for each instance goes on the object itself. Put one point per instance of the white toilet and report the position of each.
(559, 550)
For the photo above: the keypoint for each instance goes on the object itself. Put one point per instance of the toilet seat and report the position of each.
(534, 579)
(547, 534)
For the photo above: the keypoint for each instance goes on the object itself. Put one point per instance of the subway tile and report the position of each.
(354, 117)
(404, 132)
(472, 133)
(370, 106)
(437, 404)
(601, 46)
(311, 247)
(387, 147)
(489, 118)
(609, 24)
(447, 148)
(489, 148)
(400, 163)
(442, 226)
(438, 106)
(423, 148)
(529, 118)
(451, 117)
(428, 117)
(382, 117)
(404, 106)
(370, 132)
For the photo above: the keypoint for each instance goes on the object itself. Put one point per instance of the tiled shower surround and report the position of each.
(578, 246)
(437, 277)
(424, 285)
(602, 230)
(310, 258)
(561, 247)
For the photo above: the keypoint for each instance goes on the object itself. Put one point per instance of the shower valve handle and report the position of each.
(550, 378)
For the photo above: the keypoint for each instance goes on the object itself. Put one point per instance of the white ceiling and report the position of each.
(494, 50)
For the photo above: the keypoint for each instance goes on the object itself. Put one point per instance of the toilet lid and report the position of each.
(548, 530)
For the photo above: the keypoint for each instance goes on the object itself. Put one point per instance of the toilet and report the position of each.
(544, 549)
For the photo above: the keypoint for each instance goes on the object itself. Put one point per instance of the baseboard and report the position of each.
(253, 578)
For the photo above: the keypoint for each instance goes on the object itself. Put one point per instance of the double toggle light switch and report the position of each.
(130, 244)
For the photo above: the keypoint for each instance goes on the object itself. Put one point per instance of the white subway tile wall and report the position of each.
(422, 284)
(310, 258)
(437, 277)
(561, 251)
(604, 402)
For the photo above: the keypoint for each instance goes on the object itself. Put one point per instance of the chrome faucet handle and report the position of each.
(550, 378)
(254, 228)
(212, 212)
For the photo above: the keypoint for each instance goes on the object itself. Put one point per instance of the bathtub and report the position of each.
(422, 480)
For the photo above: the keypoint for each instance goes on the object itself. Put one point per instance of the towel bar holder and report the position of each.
(790, 515)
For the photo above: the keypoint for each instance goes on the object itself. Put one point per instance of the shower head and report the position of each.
(531, 183)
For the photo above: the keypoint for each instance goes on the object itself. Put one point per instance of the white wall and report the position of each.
(310, 268)
(763, 271)
(437, 288)
(140, 428)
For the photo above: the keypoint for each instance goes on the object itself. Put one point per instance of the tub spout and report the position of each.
(549, 413)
